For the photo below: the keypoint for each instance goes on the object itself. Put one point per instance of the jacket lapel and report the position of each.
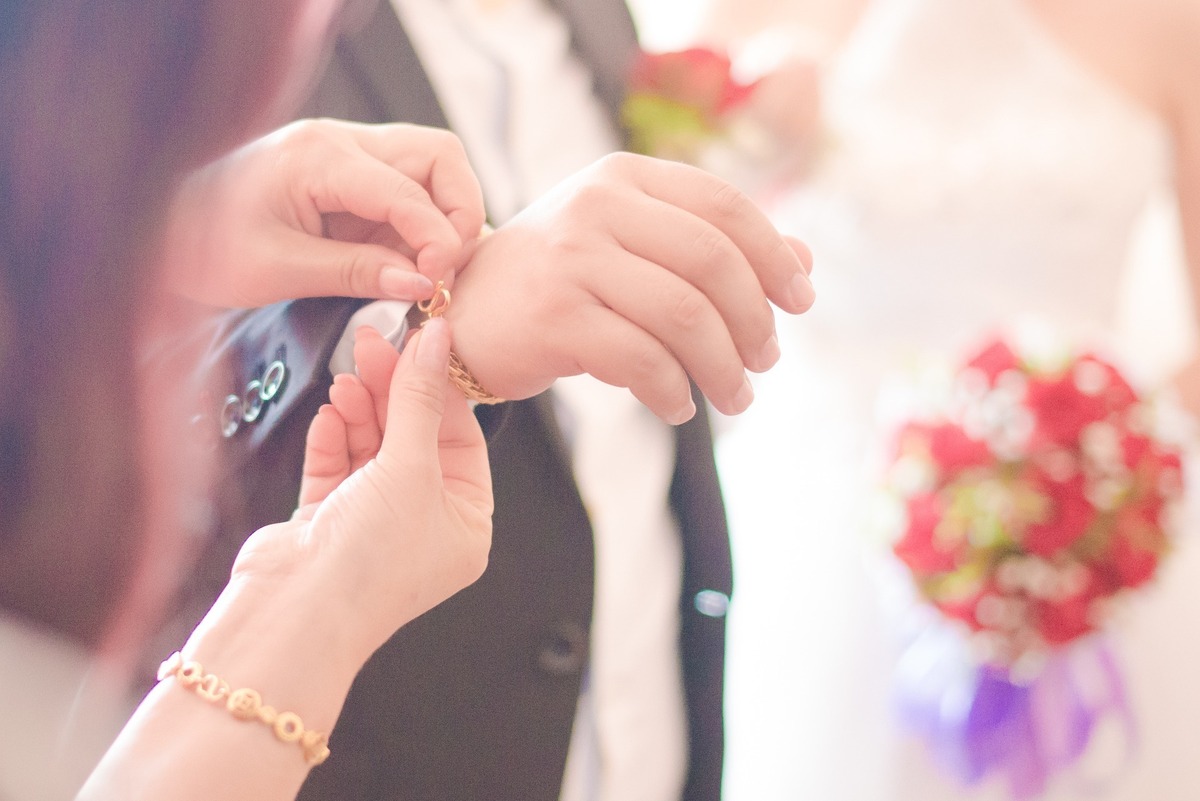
(604, 37)
(377, 55)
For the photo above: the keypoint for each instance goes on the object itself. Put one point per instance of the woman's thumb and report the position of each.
(418, 391)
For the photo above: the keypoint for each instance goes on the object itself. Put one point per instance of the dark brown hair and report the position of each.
(103, 106)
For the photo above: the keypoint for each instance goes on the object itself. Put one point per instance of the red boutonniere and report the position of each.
(680, 102)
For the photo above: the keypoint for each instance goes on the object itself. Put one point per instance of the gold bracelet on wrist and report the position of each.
(246, 705)
(459, 374)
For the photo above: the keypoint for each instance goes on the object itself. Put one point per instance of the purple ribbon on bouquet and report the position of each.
(980, 721)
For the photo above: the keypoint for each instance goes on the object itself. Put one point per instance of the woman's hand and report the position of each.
(324, 207)
(395, 507)
(396, 518)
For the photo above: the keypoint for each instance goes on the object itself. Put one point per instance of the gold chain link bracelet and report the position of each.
(245, 704)
(467, 384)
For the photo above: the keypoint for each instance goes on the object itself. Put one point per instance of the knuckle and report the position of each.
(782, 251)
(306, 133)
(449, 144)
(587, 197)
(405, 191)
(304, 150)
(713, 250)
(689, 311)
(618, 163)
(645, 363)
(359, 274)
(655, 378)
(426, 393)
(565, 243)
(730, 202)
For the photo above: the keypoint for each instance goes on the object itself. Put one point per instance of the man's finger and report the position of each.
(778, 266)
(708, 261)
(612, 349)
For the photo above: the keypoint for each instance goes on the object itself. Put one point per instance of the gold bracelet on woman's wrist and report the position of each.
(245, 704)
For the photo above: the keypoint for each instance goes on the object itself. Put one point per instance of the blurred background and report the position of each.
(822, 612)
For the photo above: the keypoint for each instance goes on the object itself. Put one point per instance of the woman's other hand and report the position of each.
(325, 207)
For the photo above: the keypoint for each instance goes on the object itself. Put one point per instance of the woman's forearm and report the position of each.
(180, 745)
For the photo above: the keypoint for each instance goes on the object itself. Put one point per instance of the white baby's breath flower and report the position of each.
(1090, 378)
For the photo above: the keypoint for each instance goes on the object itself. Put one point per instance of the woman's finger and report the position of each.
(355, 405)
(417, 393)
(375, 359)
(426, 416)
(318, 267)
(376, 191)
(326, 457)
(434, 158)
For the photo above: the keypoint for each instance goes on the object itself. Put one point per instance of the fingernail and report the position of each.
(433, 344)
(769, 354)
(801, 292)
(683, 415)
(404, 284)
(744, 397)
(366, 332)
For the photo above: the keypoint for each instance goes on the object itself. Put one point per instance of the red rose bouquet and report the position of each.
(1032, 500)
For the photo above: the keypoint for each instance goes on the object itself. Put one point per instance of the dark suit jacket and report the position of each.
(474, 700)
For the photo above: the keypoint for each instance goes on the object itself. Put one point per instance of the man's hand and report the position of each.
(638, 271)
(323, 207)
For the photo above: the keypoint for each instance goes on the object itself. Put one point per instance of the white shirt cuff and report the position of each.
(388, 317)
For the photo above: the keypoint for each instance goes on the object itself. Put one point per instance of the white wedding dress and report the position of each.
(976, 178)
